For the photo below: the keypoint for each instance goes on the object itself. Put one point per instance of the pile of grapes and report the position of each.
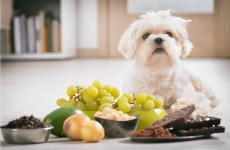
(97, 97)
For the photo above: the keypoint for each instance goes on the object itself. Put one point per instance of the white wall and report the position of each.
(68, 25)
(87, 24)
(177, 6)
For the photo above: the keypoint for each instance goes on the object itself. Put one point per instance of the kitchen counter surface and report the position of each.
(217, 141)
(33, 88)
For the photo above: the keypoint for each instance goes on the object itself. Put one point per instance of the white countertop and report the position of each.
(33, 88)
(216, 142)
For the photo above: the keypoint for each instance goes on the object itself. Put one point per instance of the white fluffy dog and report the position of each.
(155, 43)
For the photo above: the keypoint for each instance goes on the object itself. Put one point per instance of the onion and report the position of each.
(72, 126)
(92, 131)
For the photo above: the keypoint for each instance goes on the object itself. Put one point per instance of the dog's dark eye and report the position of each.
(145, 36)
(169, 34)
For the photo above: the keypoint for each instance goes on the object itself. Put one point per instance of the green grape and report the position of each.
(92, 106)
(71, 90)
(60, 101)
(159, 103)
(81, 89)
(81, 105)
(72, 102)
(122, 99)
(141, 98)
(101, 107)
(115, 92)
(93, 91)
(151, 97)
(97, 84)
(65, 104)
(149, 104)
(129, 97)
(137, 106)
(106, 99)
(95, 99)
(87, 98)
(102, 93)
(124, 106)
(98, 103)
(108, 88)
(110, 96)
(69, 103)
(83, 93)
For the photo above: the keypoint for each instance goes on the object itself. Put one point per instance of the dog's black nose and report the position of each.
(158, 41)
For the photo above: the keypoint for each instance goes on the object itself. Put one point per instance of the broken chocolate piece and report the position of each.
(176, 118)
(198, 122)
(203, 131)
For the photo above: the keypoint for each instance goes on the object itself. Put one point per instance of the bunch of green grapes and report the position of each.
(147, 101)
(93, 98)
(96, 97)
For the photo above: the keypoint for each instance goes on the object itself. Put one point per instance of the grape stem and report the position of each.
(78, 97)
(77, 86)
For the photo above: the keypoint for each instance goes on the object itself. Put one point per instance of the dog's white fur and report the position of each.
(163, 74)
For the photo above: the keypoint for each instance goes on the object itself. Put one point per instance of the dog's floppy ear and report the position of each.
(127, 45)
(186, 48)
(186, 44)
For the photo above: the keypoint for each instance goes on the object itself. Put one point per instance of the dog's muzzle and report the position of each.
(158, 51)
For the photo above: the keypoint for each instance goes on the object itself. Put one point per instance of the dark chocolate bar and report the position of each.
(198, 122)
(203, 131)
(176, 118)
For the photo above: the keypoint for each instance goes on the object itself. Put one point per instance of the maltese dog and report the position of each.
(156, 42)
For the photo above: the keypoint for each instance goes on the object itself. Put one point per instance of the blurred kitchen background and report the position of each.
(60, 29)
(47, 45)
